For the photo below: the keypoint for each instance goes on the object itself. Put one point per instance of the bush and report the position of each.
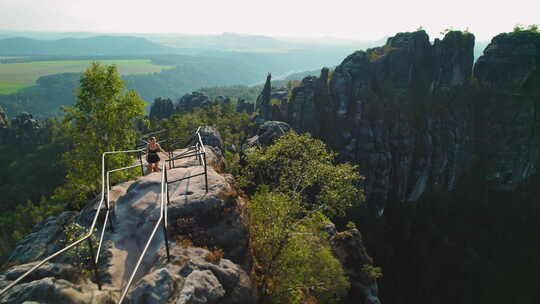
(372, 271)
(80, 254)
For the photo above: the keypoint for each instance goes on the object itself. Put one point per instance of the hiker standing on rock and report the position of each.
(152, 157)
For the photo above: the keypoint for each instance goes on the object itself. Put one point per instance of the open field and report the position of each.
(15, 76)
(8, 88)
(11, 57)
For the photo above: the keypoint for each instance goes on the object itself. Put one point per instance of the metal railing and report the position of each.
(162, 220)
(198, 151)
(200, 154)
(86, 237)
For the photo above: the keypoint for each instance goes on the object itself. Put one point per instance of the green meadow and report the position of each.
(15, 76)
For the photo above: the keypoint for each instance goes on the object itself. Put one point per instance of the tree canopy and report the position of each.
(292, 257)
(101, 120)
(302, 167)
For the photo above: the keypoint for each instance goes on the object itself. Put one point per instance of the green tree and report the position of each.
(292, 257)
(293, 261)
(304, 169)
(101, 120)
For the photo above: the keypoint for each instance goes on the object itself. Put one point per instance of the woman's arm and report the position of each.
(160, 148)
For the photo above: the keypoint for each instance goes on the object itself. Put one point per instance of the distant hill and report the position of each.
(94, 46)
(223, 42)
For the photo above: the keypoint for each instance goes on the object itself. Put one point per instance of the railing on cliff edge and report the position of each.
(87, 237)
(200, 154)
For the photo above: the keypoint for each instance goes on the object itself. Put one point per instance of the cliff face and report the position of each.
(416, 116)
(509, 82)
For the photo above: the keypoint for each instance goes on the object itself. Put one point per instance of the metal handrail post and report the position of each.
(164, 210)
(108, 206)
(205, 172)
(140, 160)
(167, 189)
(166, 242)
(96, 271)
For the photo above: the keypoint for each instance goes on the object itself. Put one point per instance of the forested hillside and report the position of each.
(93, 46)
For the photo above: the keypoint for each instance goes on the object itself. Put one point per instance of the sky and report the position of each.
(349, 19)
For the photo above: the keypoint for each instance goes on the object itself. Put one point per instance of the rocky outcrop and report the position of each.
(211, 137)
(161, 108)
(189, 102)
(351, 252)
(207, 240)
(508, 77)
(4, 126)
(22, 129)
(267, 133)
(243, 106)
(263, 101)
(222, 99)
(4, 122)
(417, 117)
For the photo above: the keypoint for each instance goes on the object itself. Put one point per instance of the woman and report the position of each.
(152, 156)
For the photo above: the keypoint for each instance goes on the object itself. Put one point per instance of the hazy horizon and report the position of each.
(288, 19)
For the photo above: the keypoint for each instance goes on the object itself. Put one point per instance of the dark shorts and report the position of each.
(152, 158)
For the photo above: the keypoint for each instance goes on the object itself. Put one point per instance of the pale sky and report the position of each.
(362, 20)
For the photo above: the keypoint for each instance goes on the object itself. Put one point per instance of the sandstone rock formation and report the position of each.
(4, 122)
(416, 116)
(202, 227)
(222, 99)
(267, 133)
(22, 129)
(351, 252)
(243, 106)
(191, 101)
(4, 126)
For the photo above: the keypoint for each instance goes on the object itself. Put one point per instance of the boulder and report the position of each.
(268, 132)
(201, 287)
(51, 290)
(211, 137)
(56, 270)
(157, 287)
(189, 102)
